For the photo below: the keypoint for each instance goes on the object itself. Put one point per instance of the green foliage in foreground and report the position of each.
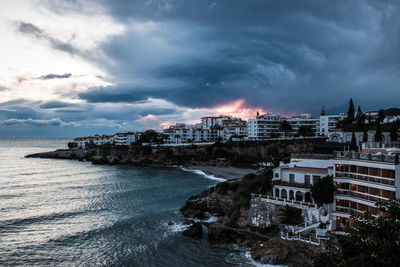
(372, 242)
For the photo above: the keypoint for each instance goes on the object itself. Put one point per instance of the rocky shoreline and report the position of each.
(216, 169)
(230, 202)
(235, 227)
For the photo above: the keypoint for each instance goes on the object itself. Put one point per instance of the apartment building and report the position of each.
(263, 126)
(362, 179)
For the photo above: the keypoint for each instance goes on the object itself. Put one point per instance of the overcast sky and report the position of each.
(77, 67)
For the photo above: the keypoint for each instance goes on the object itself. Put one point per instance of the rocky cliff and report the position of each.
(245, 220)
(237, 154)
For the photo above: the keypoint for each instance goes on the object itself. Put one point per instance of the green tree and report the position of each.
(149, 136)
(381, 115)
(177, 136)
(290, 215)
(322, 190)
(350, 112)
(360, 120)
(305, 131)
(393, 132)
(285, 127)
(373, 241)
(378, 132)
(353, 144)
(365, 134)
(72, 145)
(323, 112)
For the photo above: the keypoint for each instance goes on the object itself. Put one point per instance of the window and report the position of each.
(276, 175)
(315, 178)
(307, 179)
(291, 178)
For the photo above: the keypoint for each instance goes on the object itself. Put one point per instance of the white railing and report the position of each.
(302, 238)
(285, 201)
(304, 227)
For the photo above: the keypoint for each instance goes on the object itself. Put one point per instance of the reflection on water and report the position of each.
(60, 212)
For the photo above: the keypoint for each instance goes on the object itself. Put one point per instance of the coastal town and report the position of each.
(320, 171)
(225, 128)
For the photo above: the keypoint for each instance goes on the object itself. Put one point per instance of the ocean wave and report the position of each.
(202, 173)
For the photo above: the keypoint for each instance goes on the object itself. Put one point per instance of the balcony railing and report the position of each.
(291, 184)
(362, 196)
(364, 177)
(349, 210)
(313, 156)
(350, 155)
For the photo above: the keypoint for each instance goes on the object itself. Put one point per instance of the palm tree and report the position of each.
(290, 215)
(177, 136)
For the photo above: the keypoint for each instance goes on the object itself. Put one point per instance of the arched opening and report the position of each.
(308, 197)
(283, 193)
(291, 194)
(277, 192)
(299, 196)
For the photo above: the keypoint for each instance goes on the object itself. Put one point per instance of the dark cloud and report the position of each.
(109, 94)
(55, 104)
(31, 29)
(56, 76)
(30, 121)
(286, 55)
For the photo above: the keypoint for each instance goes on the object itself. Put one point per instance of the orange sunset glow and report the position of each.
(238, 108)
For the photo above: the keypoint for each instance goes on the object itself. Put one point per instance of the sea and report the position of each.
(68, 213)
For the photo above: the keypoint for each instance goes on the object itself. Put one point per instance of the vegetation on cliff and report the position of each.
(373, 241)
(242, 154)
(241, 189)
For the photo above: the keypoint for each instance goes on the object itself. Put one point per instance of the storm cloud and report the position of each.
(56, 76)
(274, 54)
(31, 29)
(30, 121)
(175, 58)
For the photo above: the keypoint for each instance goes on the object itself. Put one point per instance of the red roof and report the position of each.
(308, 169)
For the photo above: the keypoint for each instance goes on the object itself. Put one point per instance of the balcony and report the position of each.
(365, 178)
(350, 155)
(359, 195)
(298, 185)
(313, 156)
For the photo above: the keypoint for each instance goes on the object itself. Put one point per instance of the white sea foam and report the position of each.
(208, 176)
(255, 263)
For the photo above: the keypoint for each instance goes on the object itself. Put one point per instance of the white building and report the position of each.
(328, 123)
(363, 179)
(345, 137)
(263, 126)
(304, 120)
(126, 139)
(293, 181)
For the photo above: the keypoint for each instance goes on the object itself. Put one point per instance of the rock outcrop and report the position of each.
(274, 251)
(195, 230)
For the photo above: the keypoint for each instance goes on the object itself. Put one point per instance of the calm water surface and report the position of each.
(71, 213)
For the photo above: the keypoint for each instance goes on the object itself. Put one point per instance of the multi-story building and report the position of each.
(293, 181)
(126, 139)
(303, 120)
(263, 126)
(362, 179)
(224, 126)
(328, 123)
